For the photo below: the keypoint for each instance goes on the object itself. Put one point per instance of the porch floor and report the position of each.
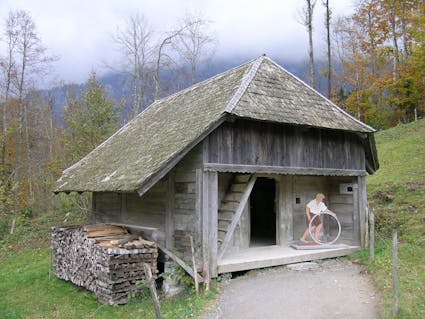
(268, 256)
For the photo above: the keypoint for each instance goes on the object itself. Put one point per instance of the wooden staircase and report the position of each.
(231, 209)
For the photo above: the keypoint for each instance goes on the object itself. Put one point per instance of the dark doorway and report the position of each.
(263, 212)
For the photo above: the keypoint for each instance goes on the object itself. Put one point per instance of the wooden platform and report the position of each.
(313, 246)
(268, 256)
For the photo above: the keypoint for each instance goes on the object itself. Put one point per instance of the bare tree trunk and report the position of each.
(328, 42)
(309, 25)
(8, 81)
(158, 65)
(21, 123)
(394, 38)
(134, 43)
(404, 30)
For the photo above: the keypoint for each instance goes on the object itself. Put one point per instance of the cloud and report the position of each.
(79, 31)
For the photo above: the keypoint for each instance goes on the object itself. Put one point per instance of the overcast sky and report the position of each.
(79, 31)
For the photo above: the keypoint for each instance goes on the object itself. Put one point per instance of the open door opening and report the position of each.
(263, 212)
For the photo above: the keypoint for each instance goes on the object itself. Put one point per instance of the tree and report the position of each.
(328, 44)
(134, 42)
(8, 68)
(307, 21)
(194, 44)
(380, 51)
(190, 41)
(89, 119)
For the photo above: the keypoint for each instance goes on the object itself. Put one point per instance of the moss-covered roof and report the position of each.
(259, 89)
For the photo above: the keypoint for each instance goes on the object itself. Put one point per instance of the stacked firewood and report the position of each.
(105, 259)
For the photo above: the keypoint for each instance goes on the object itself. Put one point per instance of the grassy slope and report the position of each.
(26, 292)
(397, 196)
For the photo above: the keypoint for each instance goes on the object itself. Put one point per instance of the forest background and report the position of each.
(375, 70)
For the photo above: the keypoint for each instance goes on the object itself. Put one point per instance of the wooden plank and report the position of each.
(237, 216)
(93, 208)
(202, 202)
(284, 170)
(152, 288)
(192, 249)
(123, 206)
(180, 262)
(169, 213)
(254, 143)
(262, 257)
(286, 212)
(362, 209)
(213, 221)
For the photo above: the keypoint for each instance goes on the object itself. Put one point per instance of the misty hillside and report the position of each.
(119, 90)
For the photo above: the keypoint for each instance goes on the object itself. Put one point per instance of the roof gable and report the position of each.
(170, 127)
(276, 95)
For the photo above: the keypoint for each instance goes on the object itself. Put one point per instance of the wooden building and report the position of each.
(233, 161)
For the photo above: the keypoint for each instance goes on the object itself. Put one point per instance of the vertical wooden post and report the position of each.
(123, 215)
(50, 259)
(195, 277)
(202, 179)
(395, 275)
(152, 288)
(169, 213)
(362, 209)
(372, 236)
(213, 221)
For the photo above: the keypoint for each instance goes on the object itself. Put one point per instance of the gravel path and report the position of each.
(328, 289)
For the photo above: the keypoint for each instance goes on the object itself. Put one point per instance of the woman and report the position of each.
(314, 207)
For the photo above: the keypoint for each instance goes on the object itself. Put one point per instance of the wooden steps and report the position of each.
(231, 208)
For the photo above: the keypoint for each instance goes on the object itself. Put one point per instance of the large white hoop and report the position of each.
(310, 228)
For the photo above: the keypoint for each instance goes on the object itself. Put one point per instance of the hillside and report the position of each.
(397, 196)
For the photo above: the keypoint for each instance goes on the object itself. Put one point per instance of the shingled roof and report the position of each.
(170, 127)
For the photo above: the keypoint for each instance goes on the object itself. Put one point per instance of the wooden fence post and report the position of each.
(395, 275)
(372, 236)
(152, 288)
(195, 272)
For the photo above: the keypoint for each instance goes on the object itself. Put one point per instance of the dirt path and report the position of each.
(328, 289)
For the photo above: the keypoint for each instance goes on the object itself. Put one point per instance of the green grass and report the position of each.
(397, 196)
(26, 292)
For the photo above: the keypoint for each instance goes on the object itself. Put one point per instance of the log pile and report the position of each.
(104, 259)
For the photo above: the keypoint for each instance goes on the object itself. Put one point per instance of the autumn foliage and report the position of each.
(377, 75)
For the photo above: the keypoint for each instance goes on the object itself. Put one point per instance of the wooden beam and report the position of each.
(213, 221)
(356, 213)
(362, 209)
(237, 216)
(192, 250)
(169, 213)
(285, 170)
(180, 262)
(123, 215)
(204, 176)
(286, 212)
(152, 288)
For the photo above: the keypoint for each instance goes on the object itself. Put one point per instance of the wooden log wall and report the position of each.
(88, 260)
(169, 206)
(304, 190)
(255, 143)
(129, 208)
(344, 205)
(346, 209)
(186, 218)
